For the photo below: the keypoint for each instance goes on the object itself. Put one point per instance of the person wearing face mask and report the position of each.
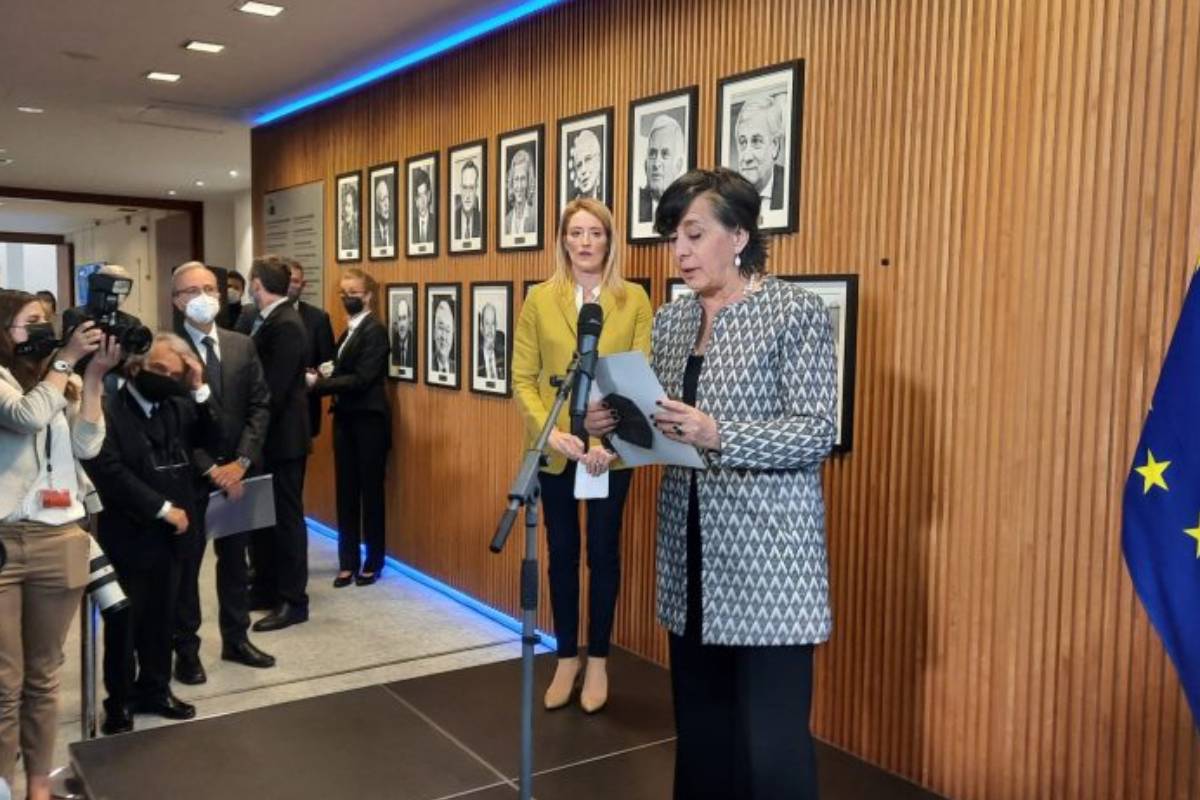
(49, 421)
(231, 308)
(235, 376)
(361, 429)
(151, 494)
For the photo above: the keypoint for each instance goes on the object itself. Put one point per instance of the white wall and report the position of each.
(243, 232)
(29, 267)
(219, 238)
(123, 241)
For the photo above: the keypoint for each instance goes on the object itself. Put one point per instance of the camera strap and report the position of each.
(49, 458)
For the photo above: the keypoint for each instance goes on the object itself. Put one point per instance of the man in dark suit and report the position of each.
(468, 221)
(281, 553)
(424, 229)
(664, 163)
(231, 310)
(491, 349)
(361, 429)
(319, 331)
(404, 342)
(758, 135)
(151, 496)
(236, 378)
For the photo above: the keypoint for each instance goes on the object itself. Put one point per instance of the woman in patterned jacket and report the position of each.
(742, 566)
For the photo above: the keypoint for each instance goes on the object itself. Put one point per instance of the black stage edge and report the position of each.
(438, 736)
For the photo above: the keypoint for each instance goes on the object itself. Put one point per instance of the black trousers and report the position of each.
(281, 552)
(360, 446)
(603, 552)
(232, 593)
(137, 641)
(741, 716)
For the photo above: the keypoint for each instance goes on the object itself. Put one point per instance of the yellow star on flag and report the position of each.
(1152, 473)
(1195, 534)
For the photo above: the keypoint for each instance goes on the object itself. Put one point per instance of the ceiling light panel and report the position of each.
(198, 46)
(30, 109)
(163, 77)
(261, 9)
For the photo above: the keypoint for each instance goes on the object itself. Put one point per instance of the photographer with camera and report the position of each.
(151, 518)
(50, 419)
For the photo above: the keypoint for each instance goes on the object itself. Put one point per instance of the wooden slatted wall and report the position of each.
(1028, 170)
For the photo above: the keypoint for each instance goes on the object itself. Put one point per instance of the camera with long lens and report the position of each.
(104, 299)
(103, 586)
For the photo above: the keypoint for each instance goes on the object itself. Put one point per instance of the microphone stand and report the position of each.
(525, 491)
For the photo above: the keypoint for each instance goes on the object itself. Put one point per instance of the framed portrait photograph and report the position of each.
(522, 161)
(421, 174)
(759, 116)
(585, 158)
(402, 331)
(491, 338)
(468, 198)
(349, 216)
(443, 302)
(662, 146)
(676, 289)
(526, 286)
(840, 294)
(381, 181)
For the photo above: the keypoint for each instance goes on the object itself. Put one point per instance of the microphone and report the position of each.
(591, 320)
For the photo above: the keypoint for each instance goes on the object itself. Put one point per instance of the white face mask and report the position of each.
(203, 309)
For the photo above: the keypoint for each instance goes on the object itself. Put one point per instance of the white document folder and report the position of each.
(255, 509)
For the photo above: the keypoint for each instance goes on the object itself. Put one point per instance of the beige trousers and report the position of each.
(40, 587)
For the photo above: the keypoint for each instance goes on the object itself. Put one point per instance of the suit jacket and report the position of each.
(144, 463)
(282, 345)
(545, 342)
(359, 371)
(382, 236)
(404, 354)
(229, 316)
(476, 223)
(645, 205)
(349, 236)
(528, 225)
(770, 381)
(777, 187)
(245, 402)
(430, 228)
(499, 351)
(320, 349)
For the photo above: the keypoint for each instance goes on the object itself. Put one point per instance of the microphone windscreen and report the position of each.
(591, 319)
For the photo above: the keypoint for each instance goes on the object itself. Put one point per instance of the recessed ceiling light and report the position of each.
(262, 9)
(204, 47)
(233, 173)
(199, 183)
(165, 77)
(30, 110)
(171, 192)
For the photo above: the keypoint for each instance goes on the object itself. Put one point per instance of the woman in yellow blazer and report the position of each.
(545, 341)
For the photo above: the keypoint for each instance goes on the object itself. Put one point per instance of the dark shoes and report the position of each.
(168, 706)
(343, 580)
(247, 654)
(366, 580)
(189, 670)
(116, 720)
(283, 617)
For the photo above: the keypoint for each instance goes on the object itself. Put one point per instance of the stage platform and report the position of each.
(448, 735)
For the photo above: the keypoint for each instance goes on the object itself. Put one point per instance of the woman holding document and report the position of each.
(742, 566)
(586, 272)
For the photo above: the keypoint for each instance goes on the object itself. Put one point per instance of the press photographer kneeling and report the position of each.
(49, 421)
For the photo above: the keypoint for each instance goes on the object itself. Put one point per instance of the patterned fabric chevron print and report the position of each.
(769, 380)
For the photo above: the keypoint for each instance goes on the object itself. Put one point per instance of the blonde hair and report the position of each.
(563, 278)
(369, 284)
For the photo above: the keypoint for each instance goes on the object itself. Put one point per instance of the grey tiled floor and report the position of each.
(357, 636)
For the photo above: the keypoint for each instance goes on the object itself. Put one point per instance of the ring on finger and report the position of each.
(678, 430)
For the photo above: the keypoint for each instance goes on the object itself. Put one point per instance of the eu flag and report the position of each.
(1161, 535)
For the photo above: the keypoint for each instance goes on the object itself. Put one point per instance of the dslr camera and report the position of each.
(104, 297)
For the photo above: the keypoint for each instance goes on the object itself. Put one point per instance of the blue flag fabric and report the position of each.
(1161, 531)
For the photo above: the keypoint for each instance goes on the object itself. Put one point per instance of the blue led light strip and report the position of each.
(422, 53)
(500, 617)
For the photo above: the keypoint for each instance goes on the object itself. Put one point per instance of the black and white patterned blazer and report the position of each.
(769, 379)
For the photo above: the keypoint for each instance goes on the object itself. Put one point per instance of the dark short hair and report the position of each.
(273, 272)
(469, 165)
(48, 297)
(735, 203)
(234, 275)
(420, 177)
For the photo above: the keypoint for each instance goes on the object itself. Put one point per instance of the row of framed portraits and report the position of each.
(488, 358)
(758, 126)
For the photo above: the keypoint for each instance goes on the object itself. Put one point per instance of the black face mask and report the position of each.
(41, 342)
(353, 305)
(157, 388)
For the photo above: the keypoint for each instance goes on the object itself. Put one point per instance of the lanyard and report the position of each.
(49, 459)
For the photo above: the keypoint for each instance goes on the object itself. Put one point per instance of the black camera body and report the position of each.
(104, 298)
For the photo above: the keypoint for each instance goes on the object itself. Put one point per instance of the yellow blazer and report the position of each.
(545, 342)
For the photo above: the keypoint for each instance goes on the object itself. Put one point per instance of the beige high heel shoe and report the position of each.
(558, 694)
(595, 685)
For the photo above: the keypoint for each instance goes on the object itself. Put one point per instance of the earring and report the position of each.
(737, 261)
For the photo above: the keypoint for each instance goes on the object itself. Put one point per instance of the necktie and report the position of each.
(212, 365)
(468, 226)
(258, 321)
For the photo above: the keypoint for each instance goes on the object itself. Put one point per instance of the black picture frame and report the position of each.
(838, 292)
(527, 285)
(676, 289)
(458, 160)
(382, 244)
(766, 89)
(435, 294)
(403, 352)
(421, 170)
(348, 245)
(571, 129)
(671, 112)
(518, 150)
(499, 296)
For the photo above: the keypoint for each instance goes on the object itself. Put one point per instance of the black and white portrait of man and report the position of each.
(382, 185)
(402, 331)
(421, 172)
(442, 302)
(585, 158)
(491, 321)
(662, 146)
(468, 209)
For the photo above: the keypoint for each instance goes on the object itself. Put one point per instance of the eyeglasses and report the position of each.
(196, 291)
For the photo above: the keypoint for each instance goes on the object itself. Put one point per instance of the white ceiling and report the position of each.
(47, 216)
(106, 129)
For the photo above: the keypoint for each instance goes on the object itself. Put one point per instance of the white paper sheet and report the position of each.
(629, 374)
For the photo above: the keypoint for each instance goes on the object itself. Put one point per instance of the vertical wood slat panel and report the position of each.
(1029, 172)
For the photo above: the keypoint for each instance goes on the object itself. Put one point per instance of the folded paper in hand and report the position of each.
(628, 375)
(255, 509)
